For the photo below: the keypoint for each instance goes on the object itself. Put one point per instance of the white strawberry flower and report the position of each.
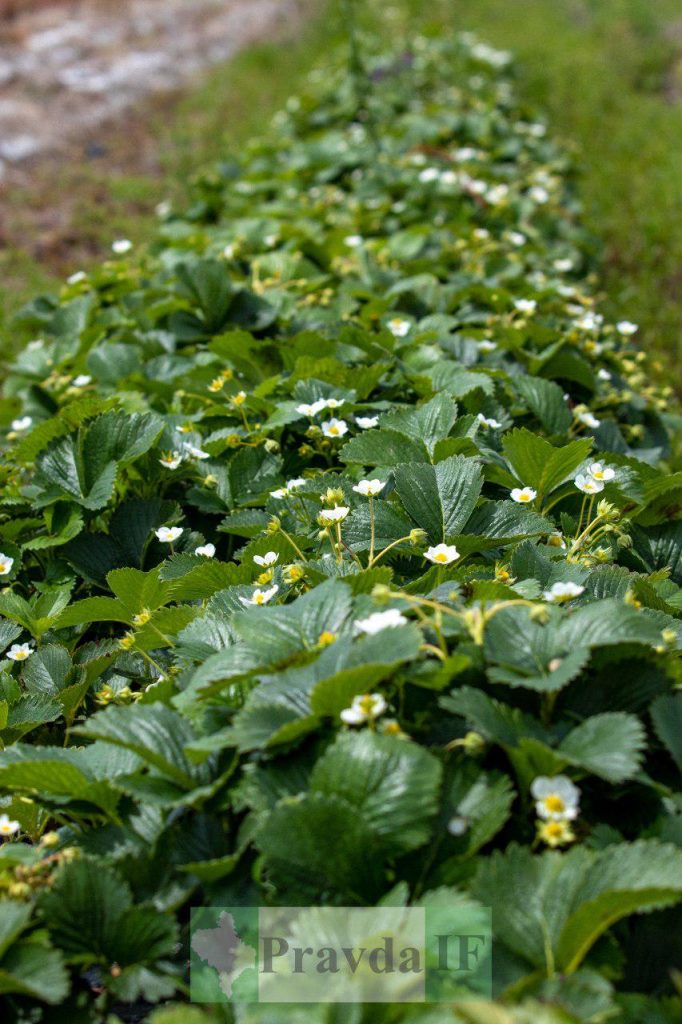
(332, 403)
(168, 534)
(333, 515)
(488, 421)
(589, 321)
(604, 374)
(369, 488)
(364, 708)
(19, 652)
(8, 827)
(556, 799)
(81, 381)
(398, 327)
(306, 409)
(560, 592)
(598, 471)
(523, 495)
(171, 460)
(626, 328)
(587, 418)
(588, 485)
(367, 422)
(205, 550)
(22, 424)
(525, 305)
(260, 597)
(121, 246)
(6, 564)
(266, 560)
(76, 278)
(353, 241)
(516, 238)
(442, 554)
(196, 453)
(563, 265)
(374, 623)
(538, 194)
(487, 346)
(334, 428)
(291, 485)
(458, 826)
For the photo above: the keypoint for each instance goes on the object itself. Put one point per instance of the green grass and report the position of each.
(608, 72)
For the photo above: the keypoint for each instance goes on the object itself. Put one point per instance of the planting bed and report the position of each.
(342, 550)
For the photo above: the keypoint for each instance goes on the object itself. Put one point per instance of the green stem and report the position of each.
(293, 544)
(371, 530)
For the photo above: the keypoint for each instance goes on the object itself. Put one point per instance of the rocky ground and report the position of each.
(67, 66)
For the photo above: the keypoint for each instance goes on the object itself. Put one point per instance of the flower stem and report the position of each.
(371, 530)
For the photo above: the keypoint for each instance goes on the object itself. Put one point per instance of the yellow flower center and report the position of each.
(326, 638)
(554, 804)
(441, 557)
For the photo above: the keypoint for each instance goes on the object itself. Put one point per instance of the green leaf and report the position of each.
(666, 714)
(154, 732)
(546, 400)
(83, 466)
(484, 801)
(440, 499)
(609, 745)
(14, 919)
(623, 879)
(316, 846)
(31, 968)
(140, 591)
(392, 784)
(383, 448)
(56, 777)
(539, 464)
(551, 909)
(429, 423)
(90, 914)
(94, 609)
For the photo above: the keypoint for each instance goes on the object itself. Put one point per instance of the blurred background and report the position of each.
(108, 106)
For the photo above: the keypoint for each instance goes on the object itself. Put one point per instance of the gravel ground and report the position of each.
(66, 67)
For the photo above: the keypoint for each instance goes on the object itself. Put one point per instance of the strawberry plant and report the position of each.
(342, 564)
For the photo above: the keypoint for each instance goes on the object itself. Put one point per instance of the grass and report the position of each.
(608, 72)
